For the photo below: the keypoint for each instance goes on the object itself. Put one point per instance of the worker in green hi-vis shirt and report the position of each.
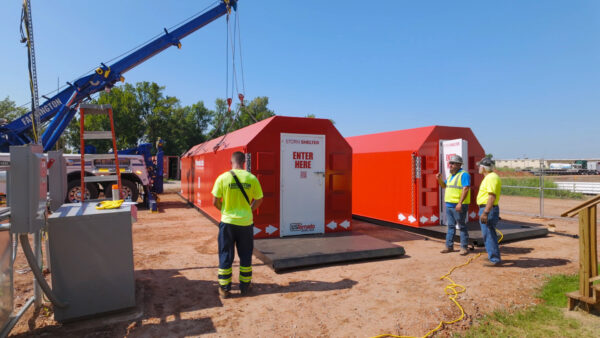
(236, 193)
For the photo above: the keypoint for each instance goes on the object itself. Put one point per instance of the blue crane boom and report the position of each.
(62, 107)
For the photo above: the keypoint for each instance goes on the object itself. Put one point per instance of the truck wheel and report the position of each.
(74, 191)
(129, 189)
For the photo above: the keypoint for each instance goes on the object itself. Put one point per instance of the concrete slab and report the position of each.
(301, 251)
(512, 230)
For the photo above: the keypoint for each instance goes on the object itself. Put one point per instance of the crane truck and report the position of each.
(57, 111)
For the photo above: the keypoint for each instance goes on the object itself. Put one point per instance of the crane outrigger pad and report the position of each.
(314, 250)
(512, 230)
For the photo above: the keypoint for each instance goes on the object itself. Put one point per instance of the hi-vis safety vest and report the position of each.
(454, 189)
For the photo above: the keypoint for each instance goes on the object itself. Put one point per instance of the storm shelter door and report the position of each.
(302, 198)
(447, 149)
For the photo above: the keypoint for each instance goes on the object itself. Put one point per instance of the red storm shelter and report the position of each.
(304, 166)
(394, 173)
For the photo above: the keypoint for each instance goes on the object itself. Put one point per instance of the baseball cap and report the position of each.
(486, 162)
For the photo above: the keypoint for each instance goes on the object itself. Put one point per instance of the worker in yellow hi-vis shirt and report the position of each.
(489, 212)
(457, 198)
(236, 193)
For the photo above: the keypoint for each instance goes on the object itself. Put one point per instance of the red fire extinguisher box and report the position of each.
(304, 166)
(394, 173)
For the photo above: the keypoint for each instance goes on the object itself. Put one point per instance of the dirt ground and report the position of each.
(175, 253)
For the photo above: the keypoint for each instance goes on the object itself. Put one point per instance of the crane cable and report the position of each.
(452, 290)
(229, 43)
(231, 40)
(239, 37)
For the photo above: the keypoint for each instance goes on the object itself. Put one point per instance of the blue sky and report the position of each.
(524, 75)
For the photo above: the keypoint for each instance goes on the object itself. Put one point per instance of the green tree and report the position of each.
(128, 128)
(313, 116)
(221, 119)
(188, 126)
(10, 111)
(254, 111)
(251, 112)
(142, 113)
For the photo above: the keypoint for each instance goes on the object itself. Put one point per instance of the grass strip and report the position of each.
(543, 320)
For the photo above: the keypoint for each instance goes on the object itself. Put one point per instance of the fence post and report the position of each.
(541, 188)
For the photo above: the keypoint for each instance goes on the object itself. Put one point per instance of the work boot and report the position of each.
(224, 293)
(464, 251)
(447, 250)
(245, 288)
(491, 264)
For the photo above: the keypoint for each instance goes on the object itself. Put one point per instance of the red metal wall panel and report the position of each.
(383, 187)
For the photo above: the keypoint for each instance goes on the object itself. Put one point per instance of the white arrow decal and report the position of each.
(256, 230)
(411, 218)
(270, 229)
(332, 225)
(401, 217)
(434, 218)
(473, 214)
(423, 219)
(345, 224)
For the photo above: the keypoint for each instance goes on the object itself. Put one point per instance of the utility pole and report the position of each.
(35, 110)
(35, 103)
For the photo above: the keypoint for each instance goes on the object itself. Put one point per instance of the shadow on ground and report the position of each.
(509, 250)
(162, 206)
(534, 262)
(165, 296)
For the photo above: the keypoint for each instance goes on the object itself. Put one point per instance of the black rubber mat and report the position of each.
(313, 250)
(512, 230)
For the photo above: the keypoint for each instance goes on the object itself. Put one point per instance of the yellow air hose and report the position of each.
(452, 290)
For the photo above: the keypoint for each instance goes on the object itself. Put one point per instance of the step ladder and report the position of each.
(96, 109)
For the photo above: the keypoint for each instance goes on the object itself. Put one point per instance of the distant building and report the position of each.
(520, 163)
(531, 163)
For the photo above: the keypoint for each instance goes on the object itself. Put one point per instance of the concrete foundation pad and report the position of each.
(301, 251)
(512, 230)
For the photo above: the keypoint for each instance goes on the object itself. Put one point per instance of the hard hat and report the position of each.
(456, 159)
(486, 162)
